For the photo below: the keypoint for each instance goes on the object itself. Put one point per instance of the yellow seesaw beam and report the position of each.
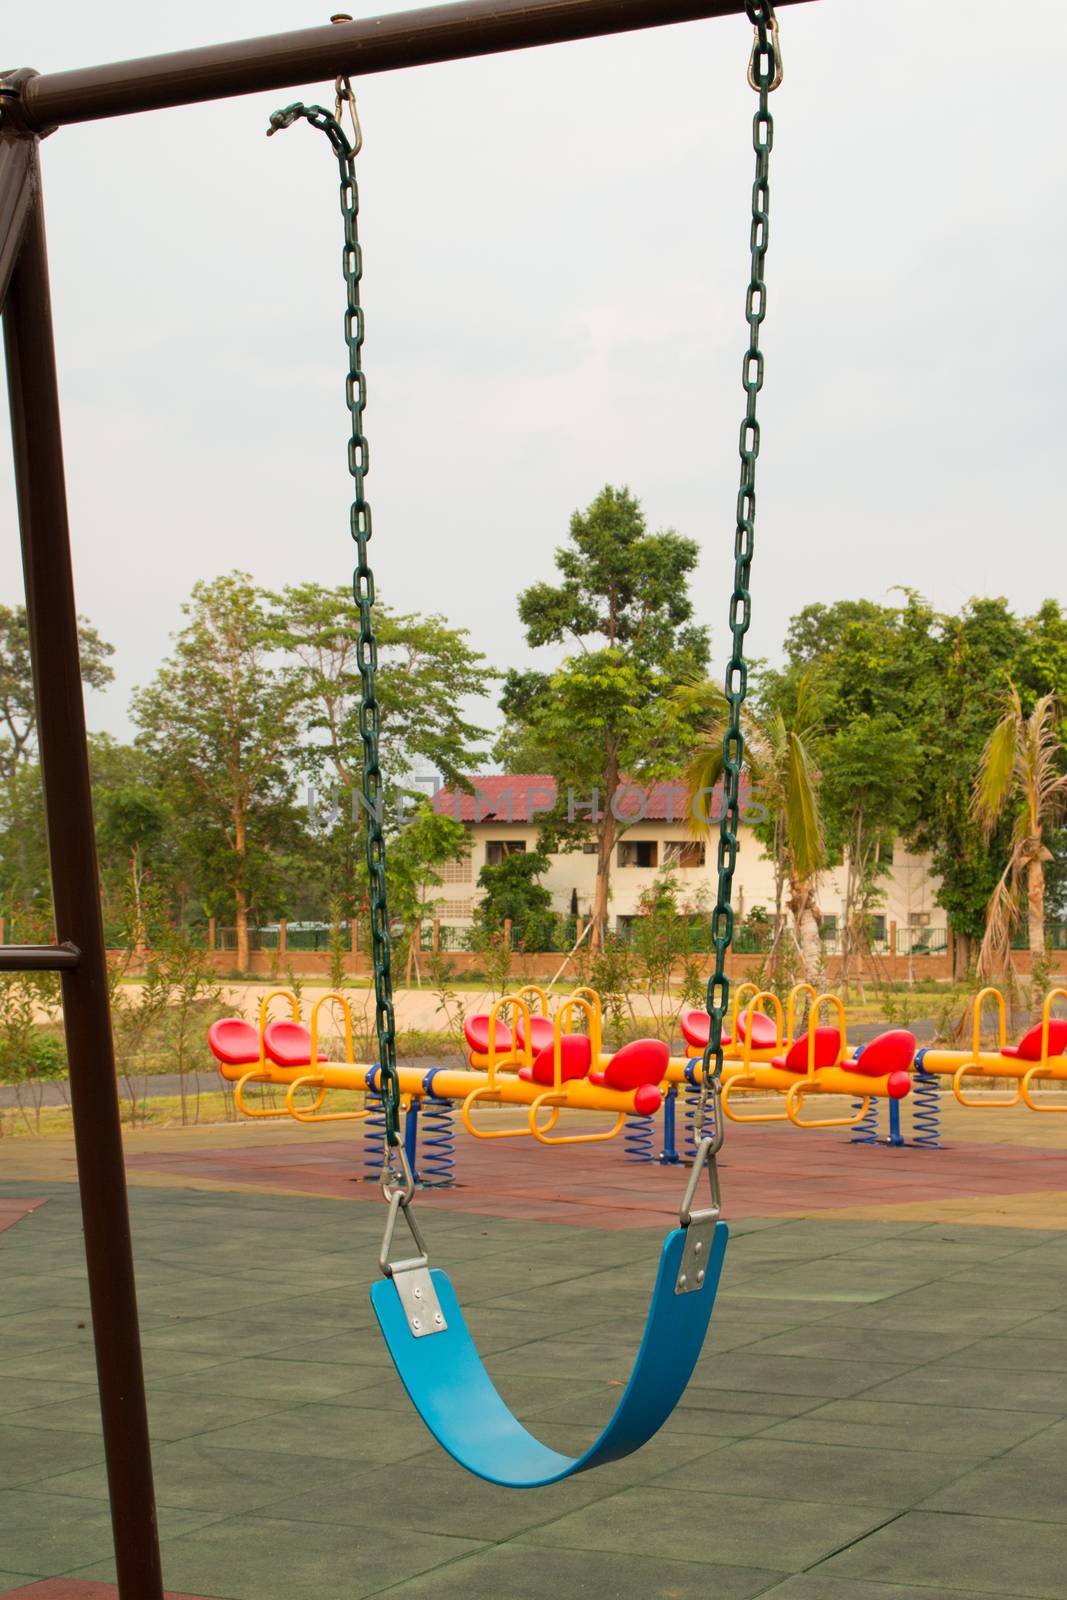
(577, 1094)
(962, 1064)
(765, 1078)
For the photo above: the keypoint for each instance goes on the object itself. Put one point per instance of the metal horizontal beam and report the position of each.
(373, 44)
(39, 957)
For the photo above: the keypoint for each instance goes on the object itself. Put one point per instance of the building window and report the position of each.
(638, 853)
(590, 847)
(828, 927)
(453, 910)
(878, 929)
(686, 853)
(498, 850)
(458, 870)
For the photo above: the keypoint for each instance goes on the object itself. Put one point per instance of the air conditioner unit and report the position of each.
(919, 919)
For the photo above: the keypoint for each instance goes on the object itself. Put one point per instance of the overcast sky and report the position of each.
(556, 258)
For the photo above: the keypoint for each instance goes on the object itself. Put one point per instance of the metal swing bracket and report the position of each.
(411, 1274)
(699, 1224)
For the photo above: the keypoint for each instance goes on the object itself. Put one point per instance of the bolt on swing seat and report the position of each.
(416, 1307)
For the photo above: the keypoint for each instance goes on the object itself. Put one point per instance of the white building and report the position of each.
(504, 815)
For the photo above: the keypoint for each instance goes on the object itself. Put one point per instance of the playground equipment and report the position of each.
(539, 1062)
(416, 1309)
(286, 1054)
(766, 1054)
(1039, 1058)
(32, 106)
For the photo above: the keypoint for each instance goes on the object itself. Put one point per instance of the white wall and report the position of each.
(909, 886)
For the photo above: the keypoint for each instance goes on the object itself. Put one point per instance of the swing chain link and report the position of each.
(765, 74)
(363, 593)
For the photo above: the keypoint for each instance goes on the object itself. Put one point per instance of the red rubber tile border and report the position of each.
(12, 1211)
(765, 1173)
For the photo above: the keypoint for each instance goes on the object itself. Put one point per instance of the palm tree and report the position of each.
(1020, 777)
(779, 756)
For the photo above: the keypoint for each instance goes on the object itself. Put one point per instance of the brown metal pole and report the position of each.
(373, 44)
(53, 628)
(17, 167)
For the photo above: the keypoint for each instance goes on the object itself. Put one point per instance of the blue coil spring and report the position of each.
(438, 1145)
(373, 1130)
(374, 1139)
(925, 1107)
(866, 1130)
(639, 1138)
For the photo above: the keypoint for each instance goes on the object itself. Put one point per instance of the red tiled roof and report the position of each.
(526, 796)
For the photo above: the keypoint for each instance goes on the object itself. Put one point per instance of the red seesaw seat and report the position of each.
(639, 1062)
(827, 1047)
(889, 1056)
(288, 1044)
(233, 1042)
(696, 1030)
(575, 1055)
(542, 1032)
(890, 1052)
(476, 1029)
(1029, 1046)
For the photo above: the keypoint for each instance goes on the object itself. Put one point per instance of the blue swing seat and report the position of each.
(459, 1403)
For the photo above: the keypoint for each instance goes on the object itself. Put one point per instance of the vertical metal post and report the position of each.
(668, 1156)
(411, 1137)
(896, 1138)
(53, 629)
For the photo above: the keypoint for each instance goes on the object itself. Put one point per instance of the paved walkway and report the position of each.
(881, 1413)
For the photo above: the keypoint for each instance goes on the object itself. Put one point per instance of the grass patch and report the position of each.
(165, 1111)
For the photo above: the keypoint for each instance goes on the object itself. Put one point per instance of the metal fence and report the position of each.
(313, 936)
(922, 941)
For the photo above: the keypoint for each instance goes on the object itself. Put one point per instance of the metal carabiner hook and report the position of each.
(773, 47)
(344, 92)
(710, 1087)
(397, 1180)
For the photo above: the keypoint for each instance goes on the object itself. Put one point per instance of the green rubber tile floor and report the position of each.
(880, 1411)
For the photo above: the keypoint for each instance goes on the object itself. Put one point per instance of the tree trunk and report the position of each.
(607, 832)
(240, 899)
(1035, 884)
(241, 920)
(606, 835)
(962, 955)
(805, 911)
(774, 955)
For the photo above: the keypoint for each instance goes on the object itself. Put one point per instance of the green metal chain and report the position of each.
(765, 74)
(363, 593)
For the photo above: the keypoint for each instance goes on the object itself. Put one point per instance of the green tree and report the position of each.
(220, 721)
(18, 713)
(424, 844)
(1020, 779)
(427, 671)
(513, 892)
(868, 777)
(24, 871)
(130, 821)
(608, 715)
(781, 727)
(941, 678)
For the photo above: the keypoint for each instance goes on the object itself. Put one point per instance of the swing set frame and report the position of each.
(32, 106)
